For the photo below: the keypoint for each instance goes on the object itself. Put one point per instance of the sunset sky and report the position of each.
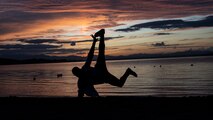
(47, 27)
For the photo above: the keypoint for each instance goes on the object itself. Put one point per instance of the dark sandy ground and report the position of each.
(107, 108)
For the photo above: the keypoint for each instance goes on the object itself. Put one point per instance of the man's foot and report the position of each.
(100, 33)
(131, 72)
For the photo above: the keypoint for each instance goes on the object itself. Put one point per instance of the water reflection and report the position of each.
(176, 77)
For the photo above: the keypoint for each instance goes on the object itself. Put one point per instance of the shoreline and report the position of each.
(109, 107)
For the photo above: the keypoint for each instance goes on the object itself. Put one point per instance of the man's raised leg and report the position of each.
(101, 62)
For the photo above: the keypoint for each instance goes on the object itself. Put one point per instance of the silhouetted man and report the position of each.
(89, 76)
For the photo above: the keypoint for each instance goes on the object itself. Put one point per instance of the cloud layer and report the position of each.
(171, 24)
(41, 27)
(17, 16)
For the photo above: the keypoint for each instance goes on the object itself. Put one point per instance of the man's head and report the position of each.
(76, 71)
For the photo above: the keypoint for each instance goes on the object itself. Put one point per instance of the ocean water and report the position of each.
(176, 77)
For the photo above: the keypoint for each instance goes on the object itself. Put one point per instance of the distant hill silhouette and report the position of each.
(55, 59)
(188, 53)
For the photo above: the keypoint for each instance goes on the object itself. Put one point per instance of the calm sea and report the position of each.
(176, 77)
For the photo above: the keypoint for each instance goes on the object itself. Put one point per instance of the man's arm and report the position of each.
(91, 53)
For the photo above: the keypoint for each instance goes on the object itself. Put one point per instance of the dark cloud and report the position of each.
(180, 46)
(159, 44)
(163, 33)
(193, 39)
(163, 6)
(171, 24)
(164, 45)
(188, 2)
(108, 25)
(28, 46)
(38, 41)
(30, 5)
(38, 53)
(21, 16)
(28, 51)
(63, 51)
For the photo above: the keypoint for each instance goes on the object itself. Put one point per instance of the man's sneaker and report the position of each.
(131, 72)
(100, 33)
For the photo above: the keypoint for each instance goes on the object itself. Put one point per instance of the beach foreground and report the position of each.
(105, 108)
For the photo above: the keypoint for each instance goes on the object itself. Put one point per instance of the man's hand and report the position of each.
(94, 38)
